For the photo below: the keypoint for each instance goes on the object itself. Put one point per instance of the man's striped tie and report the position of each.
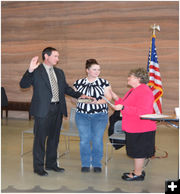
(54, 86)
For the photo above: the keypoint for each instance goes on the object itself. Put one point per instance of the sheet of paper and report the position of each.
(107, 101)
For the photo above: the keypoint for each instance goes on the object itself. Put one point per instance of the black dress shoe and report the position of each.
(56, 169)
(85, 169)
(97, 169)
(143, 173)
(134, 178)
(40, 172)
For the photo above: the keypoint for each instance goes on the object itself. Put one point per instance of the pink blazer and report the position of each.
(137, 101)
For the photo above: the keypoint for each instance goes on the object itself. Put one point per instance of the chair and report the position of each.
(117, 138)
(72, 131)
(30, 131)
(4, 102)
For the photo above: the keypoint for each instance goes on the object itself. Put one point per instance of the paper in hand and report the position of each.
(107, 101)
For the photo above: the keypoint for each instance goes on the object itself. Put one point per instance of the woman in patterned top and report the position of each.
(92, 118)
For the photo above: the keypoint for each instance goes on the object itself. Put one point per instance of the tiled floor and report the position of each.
(17, 174)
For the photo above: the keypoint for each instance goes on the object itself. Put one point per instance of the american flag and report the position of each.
(155, 77)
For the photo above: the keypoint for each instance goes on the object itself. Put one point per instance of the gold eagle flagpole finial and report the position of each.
(154, 28)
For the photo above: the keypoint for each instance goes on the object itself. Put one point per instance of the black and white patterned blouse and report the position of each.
(95, 90)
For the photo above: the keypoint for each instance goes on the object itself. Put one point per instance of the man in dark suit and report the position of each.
(48, 106)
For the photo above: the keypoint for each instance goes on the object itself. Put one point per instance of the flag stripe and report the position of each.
(155, 82)
(155, 72)
(153, 76)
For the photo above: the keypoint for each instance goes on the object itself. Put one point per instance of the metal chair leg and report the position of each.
(67, 148)
(107, 158)
(146, 162)
(22, 143)
(68, 144)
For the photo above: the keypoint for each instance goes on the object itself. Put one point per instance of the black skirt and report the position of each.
(140, 145)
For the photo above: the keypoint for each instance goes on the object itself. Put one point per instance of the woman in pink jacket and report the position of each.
(140, 134)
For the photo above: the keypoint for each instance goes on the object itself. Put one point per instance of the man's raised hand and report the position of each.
(33, 64)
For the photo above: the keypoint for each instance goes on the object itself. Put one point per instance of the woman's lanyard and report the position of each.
(125, 99)
(127, 95)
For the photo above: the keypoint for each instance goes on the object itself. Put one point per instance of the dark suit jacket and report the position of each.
(42, 93)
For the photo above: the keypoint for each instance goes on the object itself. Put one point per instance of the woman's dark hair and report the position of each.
(47, 51)
(140, 73)
(91, 62)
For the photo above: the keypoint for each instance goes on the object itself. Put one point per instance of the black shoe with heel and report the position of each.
(143, 173)
(134, 178)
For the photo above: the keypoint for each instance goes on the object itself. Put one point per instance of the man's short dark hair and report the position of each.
(47, 51)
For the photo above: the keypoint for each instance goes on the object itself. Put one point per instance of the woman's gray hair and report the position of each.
(140, 73)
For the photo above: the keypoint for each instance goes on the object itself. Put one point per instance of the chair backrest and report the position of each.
(118, 127)
(4, 99)
(72, 122)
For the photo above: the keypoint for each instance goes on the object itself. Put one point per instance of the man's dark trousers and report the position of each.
(47, 127)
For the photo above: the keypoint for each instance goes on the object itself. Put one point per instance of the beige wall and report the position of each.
(115, 33)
